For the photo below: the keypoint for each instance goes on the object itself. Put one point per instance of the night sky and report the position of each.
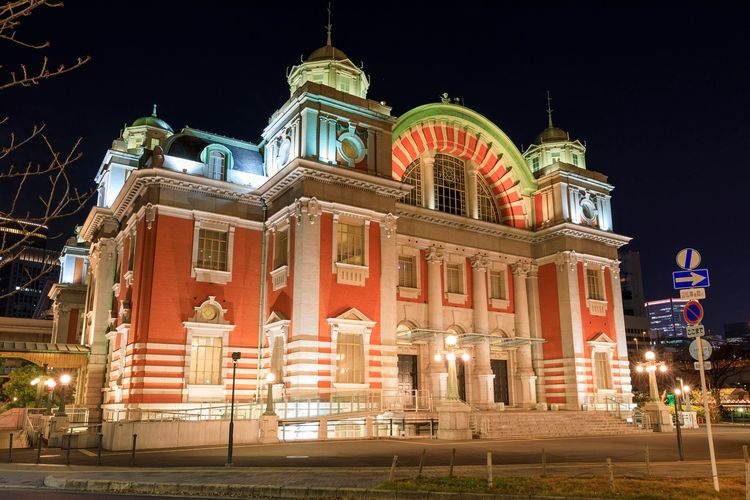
(659, 96)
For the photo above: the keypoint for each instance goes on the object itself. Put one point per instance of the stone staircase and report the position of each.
(519, 424)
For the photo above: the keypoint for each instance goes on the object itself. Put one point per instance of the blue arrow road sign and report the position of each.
(690, 279)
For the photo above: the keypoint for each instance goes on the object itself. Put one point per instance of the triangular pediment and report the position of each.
(352, 314)
(602, 338)
(275, 317)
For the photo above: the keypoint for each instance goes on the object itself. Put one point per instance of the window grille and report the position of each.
(212, 250)
(593, 279)
(454, 282)
(498, 289)
(486, 202)
(413, 177)
(351, 244)
(449, 185)
(602, 370)
(350, 359)
(407, 272)
(205, 361)
(216, 165)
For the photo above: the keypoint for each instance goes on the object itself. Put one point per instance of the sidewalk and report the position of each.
(292, 482)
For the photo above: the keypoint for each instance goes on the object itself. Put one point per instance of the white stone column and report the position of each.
(622, 373)
(471, 186)
(388, 306)
(484, 395)
(571, 328)
(428, 180)
(525, 377)
(535, 330)
(103, 272)
(305, 298)
(436, 369)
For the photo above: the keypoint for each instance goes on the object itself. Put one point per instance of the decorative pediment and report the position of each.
(276, 324)
(210, 311)
(351, 321)
(601, 341)
(352, 314)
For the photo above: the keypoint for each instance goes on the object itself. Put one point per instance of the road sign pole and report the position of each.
(714, 474)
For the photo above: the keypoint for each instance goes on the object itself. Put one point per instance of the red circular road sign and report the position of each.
(693, 312)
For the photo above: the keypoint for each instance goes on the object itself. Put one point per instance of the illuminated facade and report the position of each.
(341, 251)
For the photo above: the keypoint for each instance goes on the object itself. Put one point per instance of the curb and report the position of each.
(221, 490)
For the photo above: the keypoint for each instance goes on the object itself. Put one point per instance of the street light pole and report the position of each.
(677, 407)
(235, 357)
(64, 381)
(50, 383)
(269, 397)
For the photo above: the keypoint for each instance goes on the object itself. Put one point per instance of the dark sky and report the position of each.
(661, 97)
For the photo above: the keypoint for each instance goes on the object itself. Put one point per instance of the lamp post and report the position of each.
(451, 350)
(50, 384)
(38, 383)
(677, 408)
(269, 397)
(650, 366)
(235, 357)
(64, 381)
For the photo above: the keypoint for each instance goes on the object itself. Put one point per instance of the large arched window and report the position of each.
(413, 177)
(486, 202)
(450, 185)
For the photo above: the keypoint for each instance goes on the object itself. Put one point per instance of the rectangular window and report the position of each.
(602, 370)
(593, 282)
(575, 159)
(555, 157)
(454, 283)
(351, 244)
(205, 361)
(216, 165)
(131, 252)
(535, 163)
(344, 84)
(350, 359)
(280, 249)
(407, 272)
(212, 250)
(498, 289)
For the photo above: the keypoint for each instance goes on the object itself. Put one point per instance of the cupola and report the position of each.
(553, 145)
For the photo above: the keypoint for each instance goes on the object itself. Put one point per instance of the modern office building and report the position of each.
(667, 326)
(738, 334)
(26, 267)
(633, 304)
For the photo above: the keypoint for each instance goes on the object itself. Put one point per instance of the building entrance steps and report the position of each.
(520, 424)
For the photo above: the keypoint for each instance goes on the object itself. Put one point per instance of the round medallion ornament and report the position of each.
(209, 312)
(588, 210)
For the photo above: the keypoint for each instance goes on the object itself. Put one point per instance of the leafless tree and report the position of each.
(39, 191)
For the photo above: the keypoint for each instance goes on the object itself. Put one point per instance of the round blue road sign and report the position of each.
(688, 258)
(693, 312)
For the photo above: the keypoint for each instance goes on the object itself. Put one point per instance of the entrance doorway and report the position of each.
(408, 382)
(500, 369)
(461, 375)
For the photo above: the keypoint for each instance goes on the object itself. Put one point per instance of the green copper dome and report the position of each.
(153, 121)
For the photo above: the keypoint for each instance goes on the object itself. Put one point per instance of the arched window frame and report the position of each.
(206, 156)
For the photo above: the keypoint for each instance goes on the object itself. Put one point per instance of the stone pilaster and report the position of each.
(484, 395)
(436, 369)
(525, 377)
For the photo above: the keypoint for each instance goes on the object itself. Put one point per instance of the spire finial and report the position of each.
(153, 113)
(549, 110)
(329, 26)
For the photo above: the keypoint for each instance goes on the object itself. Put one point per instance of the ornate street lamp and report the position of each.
(39, 385)
(650, 366)
(451, 351)
(50, 384)
(64, 381)
(235, 357)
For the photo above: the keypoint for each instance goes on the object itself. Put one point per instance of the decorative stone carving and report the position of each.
(434, 255)
(520, 268)
(150, 215)
(309, 210)
(568, 259)
(479, 262)
(389, 225)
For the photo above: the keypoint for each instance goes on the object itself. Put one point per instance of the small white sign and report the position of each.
(693, 293)
(706, 365)
(695, 331)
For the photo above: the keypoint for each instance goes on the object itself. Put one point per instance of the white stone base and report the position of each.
(661, 418)
(269, 429)
(453, 421)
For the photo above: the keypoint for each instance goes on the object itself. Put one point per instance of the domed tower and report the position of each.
(146, 132)
(329, 66)
(568, 192)
(553, 145)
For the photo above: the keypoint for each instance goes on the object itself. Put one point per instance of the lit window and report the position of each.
(574, 158)
(555, 157)
(486, 202)
(454, 281)
(593, 281)
(449, 185)
(535, 163)
(212, 250)
(280, 254)
(602, 370)
(498, 288)
(205, 361)
(407, 271)
(413, 177)
(351, 244)
(216, 165)
(350, 359)
(343, 84)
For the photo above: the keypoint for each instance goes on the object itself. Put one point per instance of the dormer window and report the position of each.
(218, 160)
